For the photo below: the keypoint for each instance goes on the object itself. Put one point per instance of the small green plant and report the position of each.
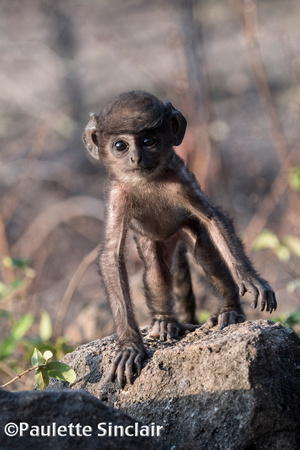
(17, 330)
(203, 316)
(17, 339)
(25, 275)
(290, 319)
(45, 369)
(283, 248)
(294, 178)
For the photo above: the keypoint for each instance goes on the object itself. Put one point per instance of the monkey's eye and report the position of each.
(120, 146)
(149, 141)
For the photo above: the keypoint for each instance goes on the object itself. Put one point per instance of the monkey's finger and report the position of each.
(121, 370)
(255, 299)
(271, 302)
(274, 301)
(163, 331)
(173, 331)
(114, 367)
(155, 332)
(138, 364)
(227, 318)
(129, 369)
(212, 321)
(263, 300)
(243, 289)
(255, 294)
(223, 320)
(240, 318)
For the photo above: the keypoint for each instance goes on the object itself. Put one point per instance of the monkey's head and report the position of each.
(134, 135)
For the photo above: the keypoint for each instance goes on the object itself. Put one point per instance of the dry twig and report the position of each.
(7, 272)
(247, 12)
(49, 219)
(72, 286)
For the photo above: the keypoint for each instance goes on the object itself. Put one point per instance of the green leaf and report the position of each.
(7, 347)
(266, 239)
(203, 316)
(6, 290)
(293, 243)
(293, 318)
(7, 261)
(22, 326)
(61, 371)
(289, 320)
(47, 355)
(66, 126)
(3, 290)
(17, 263)
(45, 326)
(283, 253)
(41, 378)
(4, 314)
(37, 358)
(292, 286)
(20, 263)
(294, 178)
(16, 284)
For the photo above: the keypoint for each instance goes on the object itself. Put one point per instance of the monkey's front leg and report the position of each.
(223, 236)
(157, 258)
(230, 310)
(131, 350)
(241, 268)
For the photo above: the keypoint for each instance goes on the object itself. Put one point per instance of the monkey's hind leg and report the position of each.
(230, 310)
(182, 286)
(157, 258)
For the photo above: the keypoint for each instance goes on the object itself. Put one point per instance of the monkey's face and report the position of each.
(136, 157)
(134, 136)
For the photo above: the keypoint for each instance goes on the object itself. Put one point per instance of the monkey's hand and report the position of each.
(169, 328)
(127, 362)
(225, 318)
(261, 292)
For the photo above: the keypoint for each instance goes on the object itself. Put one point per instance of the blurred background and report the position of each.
(231, 67)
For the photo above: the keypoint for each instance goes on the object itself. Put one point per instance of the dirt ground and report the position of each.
(62, 60)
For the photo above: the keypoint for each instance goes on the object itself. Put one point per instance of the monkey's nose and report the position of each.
(136, 160)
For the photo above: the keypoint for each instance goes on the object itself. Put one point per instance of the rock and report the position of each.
(238, 388)
(55, 409)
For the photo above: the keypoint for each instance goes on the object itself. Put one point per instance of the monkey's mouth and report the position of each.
(145, 170)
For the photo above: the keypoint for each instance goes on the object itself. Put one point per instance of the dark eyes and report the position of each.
(149, 141)
(120, 146)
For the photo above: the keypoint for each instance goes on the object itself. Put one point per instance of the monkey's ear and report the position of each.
(90, 136)
(178, 124)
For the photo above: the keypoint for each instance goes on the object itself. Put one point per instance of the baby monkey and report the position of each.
(154, 194)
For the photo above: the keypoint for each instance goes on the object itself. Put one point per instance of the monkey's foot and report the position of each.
(127, 362)
(169, 328)
(226, 318)
(261, 293)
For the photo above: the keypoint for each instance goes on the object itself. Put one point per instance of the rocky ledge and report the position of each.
(238, 388)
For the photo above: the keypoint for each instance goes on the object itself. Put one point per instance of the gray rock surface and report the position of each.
(64, 408)
(234, 389)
